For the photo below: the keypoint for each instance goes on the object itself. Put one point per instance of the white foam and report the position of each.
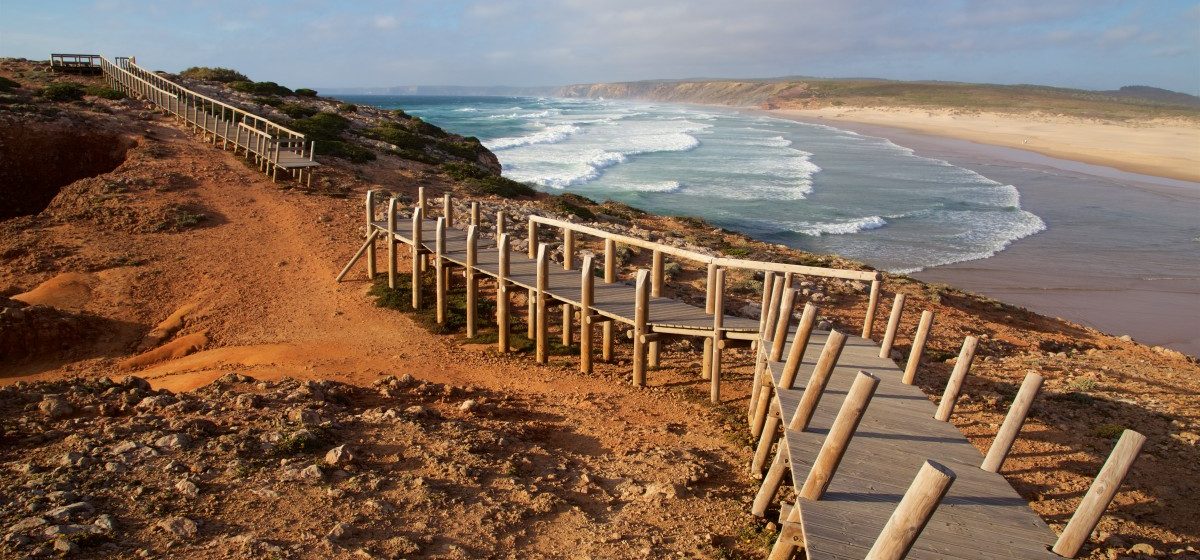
(466, 110)
(551, 135)
(817, 229)
(655, 187)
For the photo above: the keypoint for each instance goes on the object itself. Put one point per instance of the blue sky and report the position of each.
(1096, 44)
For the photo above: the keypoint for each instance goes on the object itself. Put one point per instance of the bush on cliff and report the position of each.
(483, 181)
(7, 85)
(105, 92)
(306, 92)
(260, 88)
(65, 91)
(326, 129)
(225, 75)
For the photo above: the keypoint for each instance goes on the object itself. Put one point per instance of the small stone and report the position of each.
(187, 488)
(1125, 338)
(115, 468)
(173, 441)
(70, 510)
(179, 526)
(27, 524)
(312, 472)
(824, 326)
(65, 546)
(468, 405)
(1142, 548)
(339, 455)
(55, 406)
(123, 447)
(416, 410)
(106, 522)
(338, 531)
(304, 416)
(247, 401)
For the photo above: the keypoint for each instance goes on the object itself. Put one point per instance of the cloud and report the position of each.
(385, 22)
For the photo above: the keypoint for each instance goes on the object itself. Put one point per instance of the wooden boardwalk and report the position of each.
(271, 146)
(981, 517)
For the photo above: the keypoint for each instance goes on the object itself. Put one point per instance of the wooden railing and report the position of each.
(272, 145)
(713, 263)
(75, 62)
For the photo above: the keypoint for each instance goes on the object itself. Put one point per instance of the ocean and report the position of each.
(808, 186)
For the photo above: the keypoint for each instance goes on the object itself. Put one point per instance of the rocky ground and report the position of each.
(181, 264)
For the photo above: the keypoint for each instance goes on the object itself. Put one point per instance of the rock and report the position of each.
(1142, 548)
(824, 326)
(312, 472)
(123, 447)
(70, 510)
(304, 416)
(27, 524)
(55, 406)
(750, 310)
(181, 527)
(173, 441)
(155, 402)
(468, 405)
(247, 401)
(106, 523)
(339, 455)
(65, 546)
(134, 382)
(1125, 338)
(416, 410)
(338, 531)
(187, 488)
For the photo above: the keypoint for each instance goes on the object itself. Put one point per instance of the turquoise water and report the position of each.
(807, 186)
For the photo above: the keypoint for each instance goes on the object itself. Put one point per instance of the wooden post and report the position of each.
(567, 320)
(1100, 494)
(783, 323)
(656, 273)
(439, 267)
(472, 281)
(448, 209)
(912, 513)
(869, 320)
(532, 239)
(474, 213)
(391, 243)
(838, 439)
(568, 248)
(504, 249)
(817, 381)
(531, 311)
(766, 333)
(422, 202)
(610, 276)
(889, 336)
(954, 385)
(918, 347)
(417, 257)
(708, 288)
(641, 313)
(1012, 423)
(587, 331)
(773, 480)
(500, 225)
(543, 278)
(760, 358)
(804, 330)
(717, 342)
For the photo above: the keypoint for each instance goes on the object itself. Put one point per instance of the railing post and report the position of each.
(889, 337)
(1099, 494)
(808, 320)
(502, 300)
(610, 276)
(371, 228)
(1012, 423)
(568, 248)
(472, 280)
(448, 209)
(391, 244)
(500, 225)
(838, 439)
(474, 213)
(718, 336)
(954, 384)
(912, 513)
(439, 267)
(586, 328)
(818, 380)
(417, 256)
(872, 303)
(783, 322)
(918, 347)
(543, 278)
(708, 288)
(422, 202)
(641, 314)
(532, 238)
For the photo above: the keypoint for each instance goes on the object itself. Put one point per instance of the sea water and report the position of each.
(812, 187)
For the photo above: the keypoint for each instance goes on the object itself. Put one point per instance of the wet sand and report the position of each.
(1121, 251)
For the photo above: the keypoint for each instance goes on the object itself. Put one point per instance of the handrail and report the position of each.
(765, 266)
(217, 102)
(105, 61)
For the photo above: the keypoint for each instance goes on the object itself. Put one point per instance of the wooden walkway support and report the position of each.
(271, 146)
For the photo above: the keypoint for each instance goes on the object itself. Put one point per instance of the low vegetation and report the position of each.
(210, 74)
(63, 91)
(327, 129)
(482, 181)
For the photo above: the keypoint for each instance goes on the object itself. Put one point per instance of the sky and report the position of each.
(1091, 44)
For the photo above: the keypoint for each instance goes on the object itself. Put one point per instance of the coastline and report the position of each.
(1161, 148)
(1120, 252)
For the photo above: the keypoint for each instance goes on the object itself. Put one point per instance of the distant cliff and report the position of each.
(1130, 102)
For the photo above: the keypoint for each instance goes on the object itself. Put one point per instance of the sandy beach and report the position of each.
(1163, 148)
(1120, 252)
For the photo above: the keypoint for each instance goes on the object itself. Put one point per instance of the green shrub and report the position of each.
(502, 187)
(1108, 431)
(398, 136)
(574, 204)
(468, 148)
(7, 85)
(417, 155)
(464, 171)
(345, 150)
(272, 101)
(347, 108)
(65, 91)
(297, 111)
(400, 114)
(322, 126)
(214, 74)
(105, 92)
(260, 88)
(306, 92)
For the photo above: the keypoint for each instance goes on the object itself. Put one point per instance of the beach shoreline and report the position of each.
(1168, 148)
(1120, 252)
